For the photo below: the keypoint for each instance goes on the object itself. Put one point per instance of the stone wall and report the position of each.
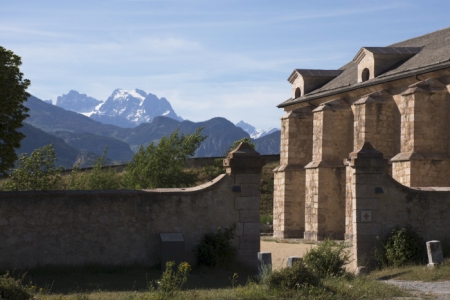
(376, 203)
(123, 227)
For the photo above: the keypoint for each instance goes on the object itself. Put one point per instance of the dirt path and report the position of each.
(282, 250)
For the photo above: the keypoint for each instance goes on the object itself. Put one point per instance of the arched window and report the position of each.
(365, 75)
(298, 93)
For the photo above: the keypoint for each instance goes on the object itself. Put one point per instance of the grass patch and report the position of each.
(333, 288)
(415, 273)
(133, 283)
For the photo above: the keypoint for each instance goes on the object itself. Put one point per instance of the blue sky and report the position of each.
(228, 58)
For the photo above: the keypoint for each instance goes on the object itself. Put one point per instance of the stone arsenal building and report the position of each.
(385, 113)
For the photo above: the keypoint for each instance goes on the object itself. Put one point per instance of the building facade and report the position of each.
(397, 99)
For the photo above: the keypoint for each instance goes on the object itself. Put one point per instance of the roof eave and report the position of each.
(368, 83)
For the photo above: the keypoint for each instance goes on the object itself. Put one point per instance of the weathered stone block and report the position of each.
(249, 215)
(246, 203)
(252, 229)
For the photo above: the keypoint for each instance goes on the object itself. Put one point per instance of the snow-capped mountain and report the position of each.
(123, 108)
(77, 102)
(255, 133)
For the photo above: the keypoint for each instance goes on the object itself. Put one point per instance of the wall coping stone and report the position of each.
(243, 159)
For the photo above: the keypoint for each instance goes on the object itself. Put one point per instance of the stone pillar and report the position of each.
(244, 165)
(364, 185)
(377, 120)
(423, 159)
(289, 176)
(325, 175)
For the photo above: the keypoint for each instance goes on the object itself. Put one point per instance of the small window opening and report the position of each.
(297, 92)
(365, 75)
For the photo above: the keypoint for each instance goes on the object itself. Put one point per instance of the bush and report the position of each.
(212, 171)
(171, 281)
(328, 259)
(216, 249)
(298, 276)
(401, 247)
(11, 288)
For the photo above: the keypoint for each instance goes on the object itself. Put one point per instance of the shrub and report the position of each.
(328, 259)
(212, 171)
(401, 247)
(216, 249)
(11, 288)
(298, 276)
(171, 281)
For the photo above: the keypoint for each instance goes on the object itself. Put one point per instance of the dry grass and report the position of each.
(415, 273)
(132, 283)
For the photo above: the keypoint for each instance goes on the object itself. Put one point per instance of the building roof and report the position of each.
(434, 55)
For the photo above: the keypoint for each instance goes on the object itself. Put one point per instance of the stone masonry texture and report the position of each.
(395, 99)
(123, 227)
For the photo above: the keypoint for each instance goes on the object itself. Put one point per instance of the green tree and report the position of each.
(161, 166)
(12, 111)
(99, 178)
(36, 172)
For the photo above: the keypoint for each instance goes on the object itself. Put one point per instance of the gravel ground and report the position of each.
(440, 289)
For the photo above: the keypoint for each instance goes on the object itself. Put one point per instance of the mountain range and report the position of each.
(123, 108)
(253, 132)
(77, 137)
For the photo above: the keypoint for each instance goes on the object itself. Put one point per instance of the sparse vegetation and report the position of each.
(216, 248)
(99, 178)
(402, 246)
(299, 282)
(328, 259)
(11, 288)
(210, 172)
(297, 277)
(171, 281)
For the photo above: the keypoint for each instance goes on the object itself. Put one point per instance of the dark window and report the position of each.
(365, 74)
(298, 93)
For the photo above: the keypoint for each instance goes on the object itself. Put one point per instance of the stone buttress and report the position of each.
(289, 176)
(424, 151)
(325, 174)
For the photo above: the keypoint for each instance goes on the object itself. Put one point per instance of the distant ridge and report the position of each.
(86, 135)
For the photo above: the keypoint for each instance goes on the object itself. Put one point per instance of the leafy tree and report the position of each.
(12, 111)
(161, 166)
(243, 140)
(36, 172)
(99, 178)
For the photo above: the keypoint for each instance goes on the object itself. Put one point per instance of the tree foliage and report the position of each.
(99, 178)
(12, 111)
(161, 166)
(35, 172)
